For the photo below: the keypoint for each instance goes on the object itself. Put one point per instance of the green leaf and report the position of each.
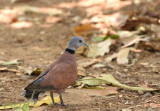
(98, 39)
(111, 37)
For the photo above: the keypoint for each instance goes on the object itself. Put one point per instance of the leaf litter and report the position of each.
(107, 80)
(25, 106)
(99, 49)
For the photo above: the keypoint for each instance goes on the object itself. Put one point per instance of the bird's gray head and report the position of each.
(76, 42)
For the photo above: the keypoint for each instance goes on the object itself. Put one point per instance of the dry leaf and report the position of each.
(110, 58)
(46, 100)
(30, 70)
(20, 25)
(81, 71)
(84, 30)
(156, 29)
(81, 50)
(8, 70)
(153, 105)
(122, 57)
(108, 79)
(99, 65)
(53, 19)
(129, 38)
(126, 109)
(99, 49)
(8, 15)
(12, 62)
(88, 63)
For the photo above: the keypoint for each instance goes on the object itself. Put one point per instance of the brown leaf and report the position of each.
(85, 29)
(8, 70)
(88, 63)
(81, 71)
(110, 58)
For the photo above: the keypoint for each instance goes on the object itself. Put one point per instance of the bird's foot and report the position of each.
(62, 104)
(53, 104)
(56, 104)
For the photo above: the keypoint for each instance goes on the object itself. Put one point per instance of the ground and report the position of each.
(26, 44)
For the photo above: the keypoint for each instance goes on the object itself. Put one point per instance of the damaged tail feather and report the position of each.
(28, 95)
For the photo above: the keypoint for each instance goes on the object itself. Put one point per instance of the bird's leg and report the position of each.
(62, 103)
(51, 94)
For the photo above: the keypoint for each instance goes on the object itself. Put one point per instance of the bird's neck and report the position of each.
(70, 50)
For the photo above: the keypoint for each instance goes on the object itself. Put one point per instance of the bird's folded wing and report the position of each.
(36, 83)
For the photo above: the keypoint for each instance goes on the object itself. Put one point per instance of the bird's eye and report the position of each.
(80, 41)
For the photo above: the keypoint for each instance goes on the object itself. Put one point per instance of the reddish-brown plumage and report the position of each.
(62, 74)
(58, 75)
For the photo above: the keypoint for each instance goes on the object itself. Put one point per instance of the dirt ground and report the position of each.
(24, 45)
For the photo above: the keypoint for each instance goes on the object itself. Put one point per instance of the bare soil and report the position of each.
(22, 44)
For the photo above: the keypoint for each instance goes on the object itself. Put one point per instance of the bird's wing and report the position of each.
(36, 83)
(61, 76)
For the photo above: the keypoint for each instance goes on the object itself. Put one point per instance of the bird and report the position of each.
(58, 75)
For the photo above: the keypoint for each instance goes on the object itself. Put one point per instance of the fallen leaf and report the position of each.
(81, 71)
(153, 105)
(129, 38)
(81, 50)
(20, 25)
(25, 70)
(8, 70)
(12, 62)
(156, 29)
(8, 15)
(99, 65)
(110, 58)
(30, 70)
(108, 79)
(126, 109)
(92, 81)
(122, 56)
(46, 100)
(99, 49)
(96, 39)
(53, 19)
(88, 63)
(84, 30)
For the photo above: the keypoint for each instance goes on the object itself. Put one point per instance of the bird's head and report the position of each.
(76, 42)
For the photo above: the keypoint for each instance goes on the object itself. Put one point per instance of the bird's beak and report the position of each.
(86, 45)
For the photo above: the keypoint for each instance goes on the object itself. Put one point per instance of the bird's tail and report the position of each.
(28, 95)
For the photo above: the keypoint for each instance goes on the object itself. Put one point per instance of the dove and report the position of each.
(58, 75)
